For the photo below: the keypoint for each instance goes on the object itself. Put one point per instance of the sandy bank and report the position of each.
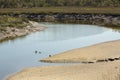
(12, 32)
(98, 71)
(109, 51)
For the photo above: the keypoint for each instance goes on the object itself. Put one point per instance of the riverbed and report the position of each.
(27, 51)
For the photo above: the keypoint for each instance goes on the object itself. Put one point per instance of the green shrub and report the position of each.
(8, 21)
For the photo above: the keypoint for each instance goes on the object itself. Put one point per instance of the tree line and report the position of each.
(52, 3)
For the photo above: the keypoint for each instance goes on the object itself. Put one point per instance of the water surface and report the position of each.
(20, 53)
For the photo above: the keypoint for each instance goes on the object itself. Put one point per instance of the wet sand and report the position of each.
(98, 71)
(109, 70)
(104, 51)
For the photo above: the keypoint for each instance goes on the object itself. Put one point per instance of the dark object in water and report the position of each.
(100, 61)
(50, 55)
(90, 62)
(40, 52)
(35, 51)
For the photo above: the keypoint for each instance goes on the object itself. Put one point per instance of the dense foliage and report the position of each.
(47, 3)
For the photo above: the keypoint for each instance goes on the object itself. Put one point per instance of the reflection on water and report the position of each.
(69, 31)
(20, 53)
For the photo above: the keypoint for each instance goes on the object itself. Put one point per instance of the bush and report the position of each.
(8, 21)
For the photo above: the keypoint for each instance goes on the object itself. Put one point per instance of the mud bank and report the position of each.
(13, 32)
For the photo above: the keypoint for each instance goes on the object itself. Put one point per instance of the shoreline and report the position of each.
(97, 71)
(110, 50)
(12, 32)
(108, 20)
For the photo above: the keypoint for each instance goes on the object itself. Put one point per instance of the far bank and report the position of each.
(107, 16)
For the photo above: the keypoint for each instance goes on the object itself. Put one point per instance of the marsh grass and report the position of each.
(51, 10)
(9, 21)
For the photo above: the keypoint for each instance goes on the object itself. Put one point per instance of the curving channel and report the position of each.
(20, 53)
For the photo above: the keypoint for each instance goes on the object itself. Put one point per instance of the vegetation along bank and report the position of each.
(15, 21)
(11, 27)
(87, 15)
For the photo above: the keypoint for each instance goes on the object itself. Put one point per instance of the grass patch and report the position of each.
(49, 10)
(9, 21)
